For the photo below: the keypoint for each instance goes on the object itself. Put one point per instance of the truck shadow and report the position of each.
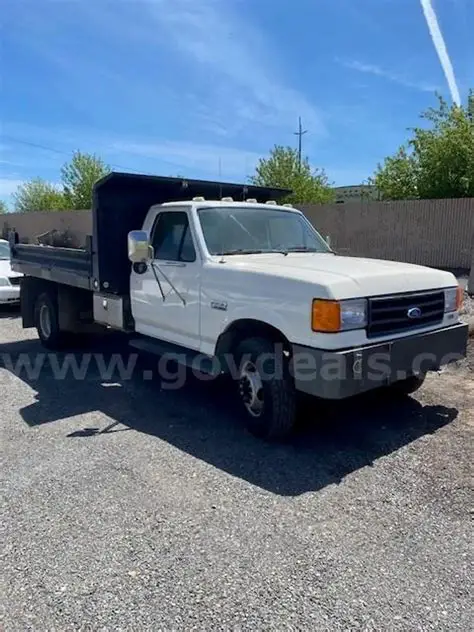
(199, 418)
(9, 312)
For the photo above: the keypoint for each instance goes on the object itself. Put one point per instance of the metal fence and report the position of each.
(470, 283)
(438, 233)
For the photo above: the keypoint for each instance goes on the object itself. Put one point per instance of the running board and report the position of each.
(182, 355)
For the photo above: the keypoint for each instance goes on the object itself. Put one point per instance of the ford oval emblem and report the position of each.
(414, 313)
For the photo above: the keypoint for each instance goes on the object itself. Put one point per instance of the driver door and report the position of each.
(166, 292)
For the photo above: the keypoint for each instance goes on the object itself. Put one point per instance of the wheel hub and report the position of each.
(251, 389)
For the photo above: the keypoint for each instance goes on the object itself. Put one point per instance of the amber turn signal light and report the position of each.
(459, 298)
(326, 316)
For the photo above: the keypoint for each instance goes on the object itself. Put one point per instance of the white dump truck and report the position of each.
(227, 280)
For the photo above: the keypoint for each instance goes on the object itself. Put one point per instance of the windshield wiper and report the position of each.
(307, 249)
(301, 249)
(241, 251)
(256, 251)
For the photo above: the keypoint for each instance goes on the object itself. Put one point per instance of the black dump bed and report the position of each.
(120, 204)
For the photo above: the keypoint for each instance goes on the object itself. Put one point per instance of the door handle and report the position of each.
(172, 264)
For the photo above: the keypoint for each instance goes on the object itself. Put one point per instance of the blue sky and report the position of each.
(202, 87)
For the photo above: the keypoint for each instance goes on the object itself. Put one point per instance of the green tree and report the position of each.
(3, 207)
(438, 161)
(79, 176)
(282, 169)
(397, 179)
(38, 195)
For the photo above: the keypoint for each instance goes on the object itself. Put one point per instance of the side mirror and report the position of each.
(139, 249)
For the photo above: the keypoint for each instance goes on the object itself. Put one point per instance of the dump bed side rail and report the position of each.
(69, 266)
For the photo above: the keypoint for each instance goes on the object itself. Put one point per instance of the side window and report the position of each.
(172, 239)
(187, 247)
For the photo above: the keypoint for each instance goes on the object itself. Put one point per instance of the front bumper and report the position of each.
(340, 374)
(9, 294)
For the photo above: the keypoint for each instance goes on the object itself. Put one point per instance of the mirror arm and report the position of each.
(157, 280)
(168, 281)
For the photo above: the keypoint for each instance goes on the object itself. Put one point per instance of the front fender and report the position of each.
(273, 318)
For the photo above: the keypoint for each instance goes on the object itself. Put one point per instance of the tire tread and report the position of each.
(280, 423)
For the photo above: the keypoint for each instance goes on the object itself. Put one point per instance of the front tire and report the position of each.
(266, 390)
(47, 323)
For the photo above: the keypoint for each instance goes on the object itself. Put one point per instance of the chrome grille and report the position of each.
(389, 314)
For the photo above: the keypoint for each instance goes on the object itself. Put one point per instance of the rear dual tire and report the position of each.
(47, 322)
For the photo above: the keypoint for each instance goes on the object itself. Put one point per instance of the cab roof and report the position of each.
(202, 203)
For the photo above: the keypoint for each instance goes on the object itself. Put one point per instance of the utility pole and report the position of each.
(219, 168)
(299, 133)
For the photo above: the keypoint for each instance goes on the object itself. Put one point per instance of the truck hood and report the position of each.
(345, 277)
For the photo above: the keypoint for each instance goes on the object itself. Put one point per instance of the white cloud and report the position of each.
(247, 85)
(373, 69)
(132, 153)
(442, 51)
(222, 76)
(191, 157)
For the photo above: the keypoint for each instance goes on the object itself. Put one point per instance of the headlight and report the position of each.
(453, 299)
(334, 316)
(3, 282)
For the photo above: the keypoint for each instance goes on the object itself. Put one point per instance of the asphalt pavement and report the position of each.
(130, 506)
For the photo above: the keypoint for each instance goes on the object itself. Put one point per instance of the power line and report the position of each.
(58, 151)
(36, 145)
(300, 134)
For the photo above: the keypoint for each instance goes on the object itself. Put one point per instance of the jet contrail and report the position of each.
(441, 49)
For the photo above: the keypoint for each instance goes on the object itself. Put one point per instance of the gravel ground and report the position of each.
(468, 307)
(130, 507)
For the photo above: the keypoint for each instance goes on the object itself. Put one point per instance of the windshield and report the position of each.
(244, 230)
(4, 250)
